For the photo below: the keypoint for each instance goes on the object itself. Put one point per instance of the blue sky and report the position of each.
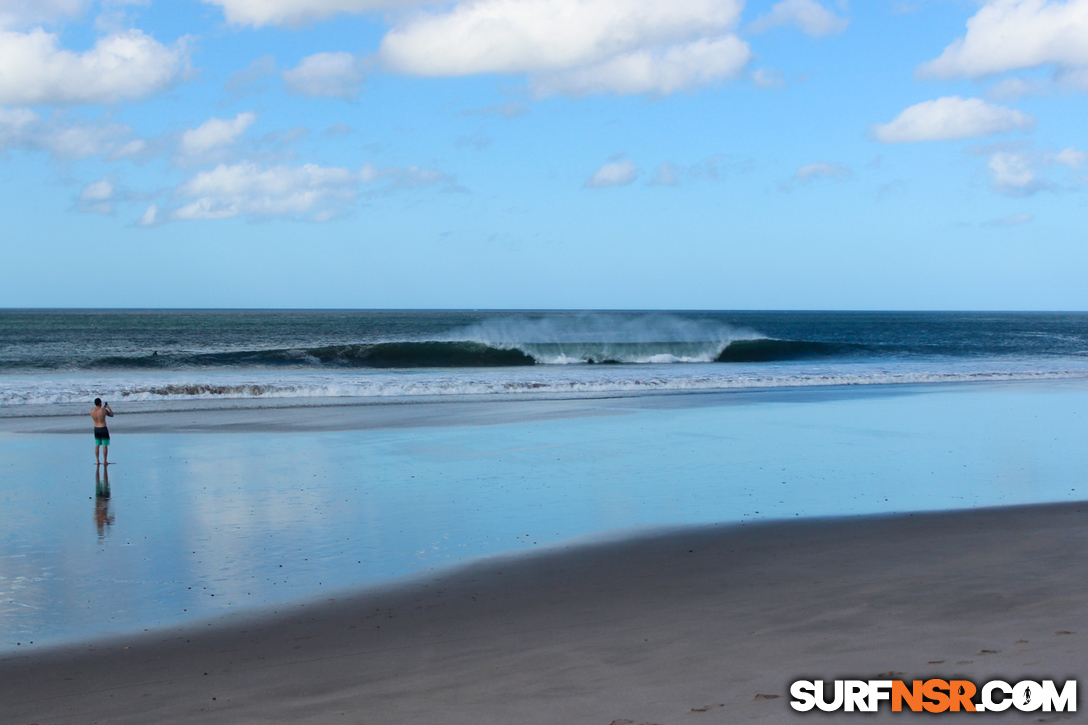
(692, 154)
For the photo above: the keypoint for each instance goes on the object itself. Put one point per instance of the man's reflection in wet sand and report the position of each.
(103, 519)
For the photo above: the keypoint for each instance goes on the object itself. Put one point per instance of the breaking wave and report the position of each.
(770, 350)
(473, 354)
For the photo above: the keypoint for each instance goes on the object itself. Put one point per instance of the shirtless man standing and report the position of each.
(101, 432)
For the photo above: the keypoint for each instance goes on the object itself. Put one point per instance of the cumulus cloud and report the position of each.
(294, 13)
(279, 191)
(35, 70)
(808, 15)
(338, 75)
(312, 192)
(214, 135)
(1007, 35)
(67, 139)
(661, 72)
(614, 173)
(25, 13)
(950, 118)
(1015, 174)
(1020, 171)
(821, 170)
(83, 140)
(575, 46)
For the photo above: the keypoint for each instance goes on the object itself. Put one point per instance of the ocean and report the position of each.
(59, 357)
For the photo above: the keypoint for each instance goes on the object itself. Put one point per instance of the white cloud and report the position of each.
(1012, 88)
(35, 70)
(97, 191)
(1008, 35)
(206, 208)
(950, 118)
(1070, 157)
(768, 78)
(214, 134)
(1014, 173)
(667, 174)
(808, 15)
(97, 197)
(675, 68)
(310, 191)
(25, 13)
(129, 149)
(114, 15)
(67, 139)
(246, 188)
(326, 74)
(575, 46)
(81, 141)
(17, 126)
(150, 217)
(1020, 171)
(297, 12)
(614, 173)
(410, 177)
(821, 170)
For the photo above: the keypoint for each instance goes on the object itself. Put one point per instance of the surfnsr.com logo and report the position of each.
(933, 696)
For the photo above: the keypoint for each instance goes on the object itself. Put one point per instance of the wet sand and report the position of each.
(697, 625)
(343, 414)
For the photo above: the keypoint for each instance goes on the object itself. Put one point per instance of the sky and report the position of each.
(542, 154)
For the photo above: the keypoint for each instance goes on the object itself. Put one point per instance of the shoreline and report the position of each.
(354, 413)
(557, 384)
(650, 629)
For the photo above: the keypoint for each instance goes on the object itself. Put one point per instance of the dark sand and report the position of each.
(691, 626)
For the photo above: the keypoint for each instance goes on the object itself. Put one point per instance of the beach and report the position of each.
(706, 625)
(656, 558)
(545, 362)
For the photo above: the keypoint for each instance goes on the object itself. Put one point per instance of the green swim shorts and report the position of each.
(101, 441)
